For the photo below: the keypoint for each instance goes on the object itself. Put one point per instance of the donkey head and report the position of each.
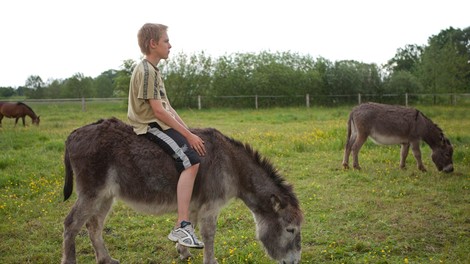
(280, 232)
(442, 155)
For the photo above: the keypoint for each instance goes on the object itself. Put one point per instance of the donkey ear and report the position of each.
(275, 203)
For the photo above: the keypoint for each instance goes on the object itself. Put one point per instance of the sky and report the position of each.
(56, 39)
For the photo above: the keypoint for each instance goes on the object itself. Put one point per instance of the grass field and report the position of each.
(380, 214)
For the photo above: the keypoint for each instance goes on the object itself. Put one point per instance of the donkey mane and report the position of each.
(273, 173)
(442, 137)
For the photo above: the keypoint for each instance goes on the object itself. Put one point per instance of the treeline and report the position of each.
(442, 66)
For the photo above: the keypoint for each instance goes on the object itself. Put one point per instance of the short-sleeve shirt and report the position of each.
(146, 83)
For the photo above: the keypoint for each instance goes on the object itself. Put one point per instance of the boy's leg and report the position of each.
(187, 163)
(184, 192)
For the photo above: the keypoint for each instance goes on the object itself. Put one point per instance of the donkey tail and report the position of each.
(350, 121)
(68, 181)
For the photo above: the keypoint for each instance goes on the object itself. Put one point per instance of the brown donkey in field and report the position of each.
(109, 161)
(389, 124)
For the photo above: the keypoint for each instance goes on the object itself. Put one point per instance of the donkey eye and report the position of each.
(290, 230)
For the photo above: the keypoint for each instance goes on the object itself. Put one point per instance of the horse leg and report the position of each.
(95, 231)
(360, 139)
(405, 148)
(23, 119)
(72, 224)
(1, 118)
(16, 121)
(417, 154)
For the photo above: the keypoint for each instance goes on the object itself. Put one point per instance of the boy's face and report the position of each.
(163, 47)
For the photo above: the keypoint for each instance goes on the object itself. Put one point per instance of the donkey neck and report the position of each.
(432, 134)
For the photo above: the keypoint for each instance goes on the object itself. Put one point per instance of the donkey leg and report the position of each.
(95, 230)
(356, 147)
(72, 225)
(347, 152)
(417, 155)
(405, 148)
(208, 226)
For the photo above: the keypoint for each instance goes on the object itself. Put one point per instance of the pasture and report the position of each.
(380, 214)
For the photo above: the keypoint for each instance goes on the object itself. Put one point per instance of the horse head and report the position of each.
(442, 155)
(36, 121)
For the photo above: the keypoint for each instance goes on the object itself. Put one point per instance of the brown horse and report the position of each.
(17, 110)
(109, 161)
(390, 124)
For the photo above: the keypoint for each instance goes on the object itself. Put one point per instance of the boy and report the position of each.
(151, 115)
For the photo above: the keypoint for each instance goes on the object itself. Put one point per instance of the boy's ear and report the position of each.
(153, 43)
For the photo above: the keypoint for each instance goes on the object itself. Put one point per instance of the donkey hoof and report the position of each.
(183, 251)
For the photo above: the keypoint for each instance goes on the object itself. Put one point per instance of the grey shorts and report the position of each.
(173, 143)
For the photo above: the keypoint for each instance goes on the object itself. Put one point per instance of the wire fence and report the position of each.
(266, 101)
(269, 101)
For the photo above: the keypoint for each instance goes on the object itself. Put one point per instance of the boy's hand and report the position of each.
(197, 144)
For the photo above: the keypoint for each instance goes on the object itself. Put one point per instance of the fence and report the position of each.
(331, 100)
(267, 101)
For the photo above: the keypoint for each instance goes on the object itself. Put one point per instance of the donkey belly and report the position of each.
(142, 194)
(150, 208)
(384, 139)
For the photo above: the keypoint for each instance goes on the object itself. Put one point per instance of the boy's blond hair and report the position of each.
(147, 32)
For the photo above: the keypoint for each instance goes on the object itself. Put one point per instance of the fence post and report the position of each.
(359, 98)
(199, 102)
(256, 102)
(83, 104)
(406, 99)
(307, 100)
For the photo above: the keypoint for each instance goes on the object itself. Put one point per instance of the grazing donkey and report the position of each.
(109, 161)
(387, 125)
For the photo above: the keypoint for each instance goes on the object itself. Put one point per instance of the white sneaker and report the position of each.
(185, 236)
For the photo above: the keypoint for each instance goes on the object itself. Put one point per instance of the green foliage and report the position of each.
(378, 215)
(123, 78)
(440, 68)
(7, 92)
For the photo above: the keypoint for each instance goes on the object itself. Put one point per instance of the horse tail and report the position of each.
(68, 181)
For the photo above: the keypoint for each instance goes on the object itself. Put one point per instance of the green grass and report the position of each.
(380, 214)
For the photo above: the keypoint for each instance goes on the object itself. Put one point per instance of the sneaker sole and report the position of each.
(172, 238)
(190, 245)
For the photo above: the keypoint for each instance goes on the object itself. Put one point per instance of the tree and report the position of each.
(6, 92)
(406, 59)
(187, 76)
(54, 89)
(103, 85)
(123, 78)
(78, 86)
(35, 85)
(34, 82)
(445, 66)
(402, 82)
